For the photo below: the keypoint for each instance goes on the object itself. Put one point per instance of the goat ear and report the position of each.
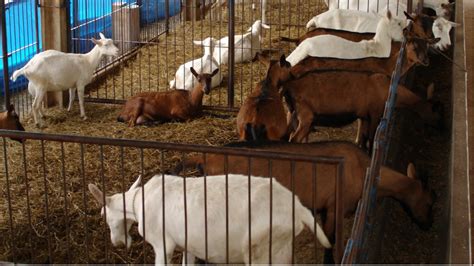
(408, 16)
(136, 183)
(96, 42)
(11, 108)
(411, 171)
(197, 42)
(454, 24)
(194, 72)
(214, 72)
(265, 26)
(389, 15)
(263, 59)
(97, 194)
(430, 92)
(433, 41)
(283, 62)
(102, 36)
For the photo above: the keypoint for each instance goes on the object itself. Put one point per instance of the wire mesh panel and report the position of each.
(22, 42)
(49, 213)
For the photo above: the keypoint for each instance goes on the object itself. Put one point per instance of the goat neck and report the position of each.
(196, 95)
(94, 56)
(382, 37)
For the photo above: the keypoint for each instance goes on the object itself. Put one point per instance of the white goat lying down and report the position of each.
(349, 20)
(57, 71)
(364, 22)
(388, 29)
(246, 45)
(216, 212)
(185, 80)
(396, 7)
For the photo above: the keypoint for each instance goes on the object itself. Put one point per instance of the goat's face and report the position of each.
(394, 26)
(118, 225)
(205, 79)
(118, 219)
(445, 10)
(417, 50)
(11, 121)
(441, 29)
(278, 71)
(107, 46)
(422, 25)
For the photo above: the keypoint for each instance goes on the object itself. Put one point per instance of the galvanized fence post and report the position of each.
(6, 77)
(231, 30)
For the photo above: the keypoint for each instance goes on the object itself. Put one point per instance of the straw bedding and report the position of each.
(83, 236)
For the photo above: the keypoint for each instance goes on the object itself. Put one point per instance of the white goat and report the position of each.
(349, 20)
(396, 7)
(246, 45)
(185, 80)
(441, 29)
(388, 29)
(57, 71)
(216, 211)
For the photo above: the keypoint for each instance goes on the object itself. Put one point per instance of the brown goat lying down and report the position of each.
(404, 188)
(329, 100)
(169, 105)
(11, 121)
(262, 116)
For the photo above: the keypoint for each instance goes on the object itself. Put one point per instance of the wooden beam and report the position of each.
(54, 34)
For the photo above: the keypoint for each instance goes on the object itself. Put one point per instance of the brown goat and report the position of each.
(179, 105)
(262, 116)
(422, 28)
(329, 100)
(406, 189)
(11, 121)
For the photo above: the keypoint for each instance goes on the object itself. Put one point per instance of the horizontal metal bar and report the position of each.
(254, 153)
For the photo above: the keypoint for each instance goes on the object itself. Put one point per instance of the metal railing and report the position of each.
(53, 221)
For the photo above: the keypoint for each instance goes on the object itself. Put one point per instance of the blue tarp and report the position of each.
(20, 24)
(93, 16)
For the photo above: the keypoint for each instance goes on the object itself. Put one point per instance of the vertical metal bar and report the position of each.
(167, 16)
(339, 212)
(9, 202)
(45, 181)
(124, 188)
(250, 208)
(231, 69)
(28, 209)
(84, 202)
(6, 80)
(293, 242)
(226, 171)
(185, 215)
(163, 207)
(270, 175)
(410, 6)
(142, 166)
(205, 209)
(66, 212)
(102, 177)
(68, 24)
(313, 205)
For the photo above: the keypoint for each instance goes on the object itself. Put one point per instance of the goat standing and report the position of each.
(57, 71)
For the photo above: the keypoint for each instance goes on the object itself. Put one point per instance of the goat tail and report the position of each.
(308, 220)
(17, 73)
(286, 39)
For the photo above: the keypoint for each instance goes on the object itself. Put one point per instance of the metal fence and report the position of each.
(47, 214)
